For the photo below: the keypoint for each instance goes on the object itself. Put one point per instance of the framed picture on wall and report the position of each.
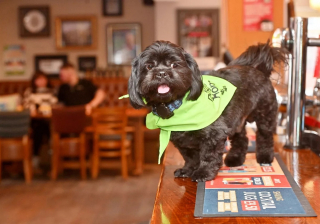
(50, 64)
(76, 33)
(87, 63)
(14, 60)
(124, 43)
(198, 32)
(34, 21)
(112, 7)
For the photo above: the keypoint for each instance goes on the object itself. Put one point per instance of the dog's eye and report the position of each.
(149, 66)
(174, 65)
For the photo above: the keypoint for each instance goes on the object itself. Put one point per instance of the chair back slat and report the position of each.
(14, 124)
(66, 120)
(110, 120)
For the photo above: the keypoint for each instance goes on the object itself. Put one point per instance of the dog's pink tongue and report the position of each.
(163, 89)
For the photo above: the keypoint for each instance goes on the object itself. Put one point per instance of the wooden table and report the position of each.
(176, 197)
(136, 120)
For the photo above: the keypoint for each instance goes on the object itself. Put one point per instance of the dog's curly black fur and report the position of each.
(164, 63)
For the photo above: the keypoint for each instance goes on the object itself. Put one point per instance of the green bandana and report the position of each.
(194, 115)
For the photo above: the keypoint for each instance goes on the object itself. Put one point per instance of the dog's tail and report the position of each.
(262, 57)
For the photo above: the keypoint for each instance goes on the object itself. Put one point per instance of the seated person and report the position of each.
(75, 91)
(39, 98)
(40, 95)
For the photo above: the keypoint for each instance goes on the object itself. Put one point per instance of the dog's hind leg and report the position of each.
(266, 124)
(239, 145)
(192, 160)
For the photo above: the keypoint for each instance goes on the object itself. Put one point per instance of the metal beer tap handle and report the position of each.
(296, 41)
(313, 42)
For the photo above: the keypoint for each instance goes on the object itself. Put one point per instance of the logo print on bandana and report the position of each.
(223, 90)
(213, 91)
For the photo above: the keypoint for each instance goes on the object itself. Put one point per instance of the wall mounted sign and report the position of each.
(198, 31)
(112, 7)
(76, 33)
(50, 64)
(87, 63)
(14, 60)
(34, 21)
(258, 15)
(124, 42)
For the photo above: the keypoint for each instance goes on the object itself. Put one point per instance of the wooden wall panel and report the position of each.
(238, 39)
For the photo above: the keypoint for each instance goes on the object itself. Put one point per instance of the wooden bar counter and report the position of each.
(176, 197)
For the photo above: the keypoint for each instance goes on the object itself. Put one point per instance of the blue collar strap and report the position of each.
(166, 111)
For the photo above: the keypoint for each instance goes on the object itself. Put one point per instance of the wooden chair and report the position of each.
(68, 137)
(110, 138)
(14, 140)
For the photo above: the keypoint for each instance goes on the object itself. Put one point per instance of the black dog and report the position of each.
(164, 72)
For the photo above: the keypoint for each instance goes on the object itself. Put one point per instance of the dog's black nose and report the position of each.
(161, 74)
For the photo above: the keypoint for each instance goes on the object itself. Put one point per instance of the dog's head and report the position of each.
(162, 73)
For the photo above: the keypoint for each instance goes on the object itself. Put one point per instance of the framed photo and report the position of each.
(198, 32)
(124, 43)
(50, 64)
(34, 21)
(76, 33)
(87, 63)
(112, 7)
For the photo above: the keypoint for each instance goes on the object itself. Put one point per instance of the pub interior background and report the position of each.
(109, 198)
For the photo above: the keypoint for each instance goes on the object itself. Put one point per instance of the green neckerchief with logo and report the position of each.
(194, 115)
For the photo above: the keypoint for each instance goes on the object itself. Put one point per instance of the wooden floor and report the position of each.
(108, 200)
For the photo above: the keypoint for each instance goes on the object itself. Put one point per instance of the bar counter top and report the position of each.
(175, 199)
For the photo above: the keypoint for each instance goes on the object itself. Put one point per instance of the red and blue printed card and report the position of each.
(252, 190)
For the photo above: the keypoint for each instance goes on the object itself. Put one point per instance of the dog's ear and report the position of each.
(196, 85)
(133, 88)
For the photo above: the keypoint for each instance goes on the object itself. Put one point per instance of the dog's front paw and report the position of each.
(233, 159)
(265, 157)
(202, 175)
(183, 172)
